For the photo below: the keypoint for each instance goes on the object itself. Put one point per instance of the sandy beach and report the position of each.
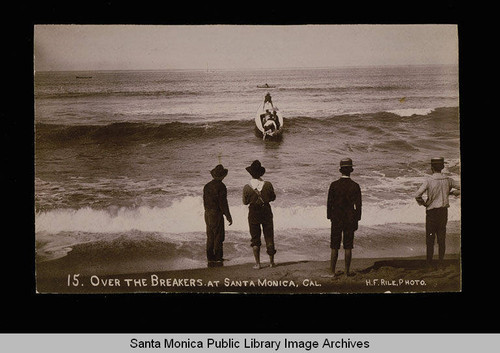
(394, 275)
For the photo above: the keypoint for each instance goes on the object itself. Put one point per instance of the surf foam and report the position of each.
(187, 215)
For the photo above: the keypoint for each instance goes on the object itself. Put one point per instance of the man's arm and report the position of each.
(272, 195)
(245, 198)
(420, 192)
(224, 206)
(358, 203)
(329, 202)
(454, 185)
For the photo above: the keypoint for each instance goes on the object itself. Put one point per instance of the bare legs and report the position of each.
(256, 254)
(333, 260)
(348, 257)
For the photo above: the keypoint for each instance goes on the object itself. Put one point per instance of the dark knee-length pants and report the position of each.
(260, 220)
(268, 230)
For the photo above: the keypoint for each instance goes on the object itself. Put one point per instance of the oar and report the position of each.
(259, 107)
(263, 132)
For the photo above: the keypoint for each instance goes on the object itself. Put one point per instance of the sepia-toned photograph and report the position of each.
(270, 159)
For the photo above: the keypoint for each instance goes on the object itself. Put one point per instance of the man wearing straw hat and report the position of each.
(216, 206)
(344, 212)
(438, 188)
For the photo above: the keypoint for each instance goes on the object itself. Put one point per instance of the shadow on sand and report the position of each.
(280, 264)
(412, 264)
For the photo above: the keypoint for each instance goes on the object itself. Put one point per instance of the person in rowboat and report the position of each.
(268, 99)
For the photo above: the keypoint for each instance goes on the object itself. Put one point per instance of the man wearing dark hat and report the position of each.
(257, 195)
(215, 203)
(344, 211)
(438, 187)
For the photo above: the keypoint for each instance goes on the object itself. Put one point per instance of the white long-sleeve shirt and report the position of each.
(438, 187)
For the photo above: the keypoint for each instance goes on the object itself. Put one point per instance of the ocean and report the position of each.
(121, 158)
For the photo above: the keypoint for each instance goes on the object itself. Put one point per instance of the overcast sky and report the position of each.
(140, 47)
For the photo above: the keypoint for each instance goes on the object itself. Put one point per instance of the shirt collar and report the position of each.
(438, 176)
(257, 183)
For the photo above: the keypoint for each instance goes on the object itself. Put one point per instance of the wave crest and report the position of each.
(186, 215)
(128, 132)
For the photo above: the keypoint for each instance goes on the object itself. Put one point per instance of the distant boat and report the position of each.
(83, 76)
(265, 86)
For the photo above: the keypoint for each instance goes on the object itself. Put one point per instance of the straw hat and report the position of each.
(346, 162)
(437, 161)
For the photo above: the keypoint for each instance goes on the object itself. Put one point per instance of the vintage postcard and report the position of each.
(247, 159)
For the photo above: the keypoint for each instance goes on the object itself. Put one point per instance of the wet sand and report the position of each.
(394, 275)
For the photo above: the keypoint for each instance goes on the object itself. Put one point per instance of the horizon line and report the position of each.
(252, 69)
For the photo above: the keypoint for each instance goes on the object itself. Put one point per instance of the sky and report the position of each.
(157, 47)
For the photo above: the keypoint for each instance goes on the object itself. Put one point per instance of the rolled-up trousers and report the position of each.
(261, 217)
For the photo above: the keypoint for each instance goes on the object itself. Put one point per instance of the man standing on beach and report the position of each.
(257, 195)
(344, 211)
(438, 188)
(216, 206)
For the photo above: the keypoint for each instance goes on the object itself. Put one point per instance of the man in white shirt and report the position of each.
(438, 188)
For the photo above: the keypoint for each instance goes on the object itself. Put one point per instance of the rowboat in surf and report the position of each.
(269, 122)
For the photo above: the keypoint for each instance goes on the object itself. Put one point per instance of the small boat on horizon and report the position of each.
(265, 86)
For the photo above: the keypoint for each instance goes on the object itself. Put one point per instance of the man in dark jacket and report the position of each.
(216, 206)
(344, 212)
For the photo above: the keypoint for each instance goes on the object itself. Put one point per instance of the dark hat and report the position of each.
(256, 169)
(346, 162)
(219, 171)
(437, 161)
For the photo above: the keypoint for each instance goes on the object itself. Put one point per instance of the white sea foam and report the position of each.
(186, 215)
(411, 111)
